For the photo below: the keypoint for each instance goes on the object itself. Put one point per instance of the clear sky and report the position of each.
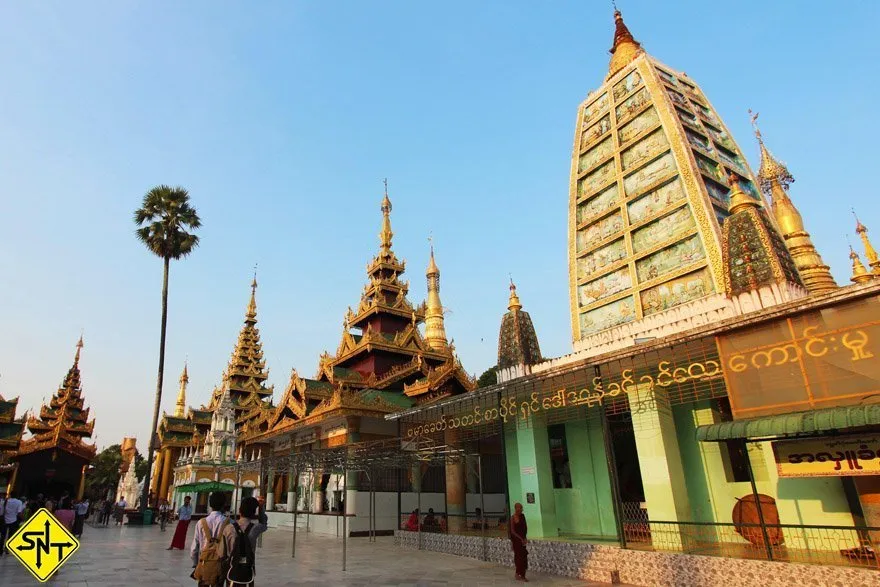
(282, 118)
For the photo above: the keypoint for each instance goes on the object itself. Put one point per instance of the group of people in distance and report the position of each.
(14, 512)
(517, 531)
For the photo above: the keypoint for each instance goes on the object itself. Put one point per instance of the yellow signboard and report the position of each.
(42, 544)
(828, 457)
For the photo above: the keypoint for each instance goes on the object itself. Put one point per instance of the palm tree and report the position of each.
(165, 223)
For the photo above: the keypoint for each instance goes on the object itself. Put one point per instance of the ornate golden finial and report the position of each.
(513, 304)
(739, 200)
(79, 346)
(870, 252)
(771, 169)
(180, 407)
(775, 178)
(860, 274)
(251, 314)
(625, 47)
(386, 235)
(435, 329)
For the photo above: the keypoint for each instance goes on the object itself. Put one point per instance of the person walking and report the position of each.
(518, 529)
(11, 513)
(244, 533)
(82, 511)
(215, 562)
(119, 510)
(184, 515)
(164, 509)
(65, 513)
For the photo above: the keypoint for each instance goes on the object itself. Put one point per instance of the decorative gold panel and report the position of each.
(596, 131)
(663, 229)
(627, 85)
(594, 108)
(644, 149)
(669, 259)
(601, 258)
(595, 155)
(648, 174)
(681, 290)
(638, 125)
(608, 316)
(605, 286)
(598, 178)
(588, 237)
(631, 105)
(598, 204)
(655, 201)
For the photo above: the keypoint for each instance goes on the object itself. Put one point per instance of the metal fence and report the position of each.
(827, 545)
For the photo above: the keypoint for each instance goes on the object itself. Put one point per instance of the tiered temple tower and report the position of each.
(648, 195)
(55, 457)
(246, 375)
(517, 341)
(11, 430)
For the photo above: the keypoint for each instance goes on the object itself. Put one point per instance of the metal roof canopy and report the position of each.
(392, 453)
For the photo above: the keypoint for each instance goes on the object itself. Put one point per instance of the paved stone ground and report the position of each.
(117, 556)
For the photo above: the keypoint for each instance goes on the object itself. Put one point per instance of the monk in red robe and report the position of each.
(518, 529)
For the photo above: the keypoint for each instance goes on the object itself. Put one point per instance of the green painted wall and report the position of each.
(514, 488)
(586, 508)
(713, 493)
(536, 477)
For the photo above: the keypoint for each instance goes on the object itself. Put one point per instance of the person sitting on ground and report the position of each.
(478, 513)
(429, 524)
(412, 524)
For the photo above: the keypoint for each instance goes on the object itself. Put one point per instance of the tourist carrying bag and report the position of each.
(211, 567)
(241, 561)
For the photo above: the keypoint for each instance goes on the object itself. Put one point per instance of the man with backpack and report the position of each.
(245, 531)
(212, 544)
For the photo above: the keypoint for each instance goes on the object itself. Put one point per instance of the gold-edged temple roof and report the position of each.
(64, 422)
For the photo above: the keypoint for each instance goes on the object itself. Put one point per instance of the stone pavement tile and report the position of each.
(114, 556)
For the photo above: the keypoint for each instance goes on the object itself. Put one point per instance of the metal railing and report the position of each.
(827, 545)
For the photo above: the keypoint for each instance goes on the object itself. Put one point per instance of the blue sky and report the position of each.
(282, 118)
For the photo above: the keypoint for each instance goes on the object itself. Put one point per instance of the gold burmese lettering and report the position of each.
(814, 344)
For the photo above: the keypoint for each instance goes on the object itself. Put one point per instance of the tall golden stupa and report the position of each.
(649, 192)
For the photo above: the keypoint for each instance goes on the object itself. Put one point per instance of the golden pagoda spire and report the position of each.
(180, 408)
(435, 331)
(739, 200)
(774, 179)
(625, 47)
(79, 346)
(513, 304)
(251, 314)
(386, 234)
(860, 274)
(870, 252)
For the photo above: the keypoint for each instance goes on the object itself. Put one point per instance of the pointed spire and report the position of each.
(513, 304)
(435, 330)
(625, 47)
(180, 407)
(79, 346)
(251, 314)
(775, 178)
(771, 169)
(739, 200)
(386, 235)
(860, 274)
(870, 252)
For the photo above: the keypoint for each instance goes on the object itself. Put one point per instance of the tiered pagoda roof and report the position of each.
(245, 376)
(383, 362)
(11, 428)
(64, 423)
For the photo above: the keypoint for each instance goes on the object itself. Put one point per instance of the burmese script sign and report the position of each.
(639, 389)
(828, 457)
(824, 358)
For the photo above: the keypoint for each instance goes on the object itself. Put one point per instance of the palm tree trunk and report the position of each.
(153, 434)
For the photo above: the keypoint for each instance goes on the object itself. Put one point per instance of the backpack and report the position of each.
(213, 557)
(241, 561)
